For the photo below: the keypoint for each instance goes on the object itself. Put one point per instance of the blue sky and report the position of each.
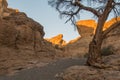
(41, 12)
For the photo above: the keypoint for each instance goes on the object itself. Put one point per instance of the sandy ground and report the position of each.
(47, 72)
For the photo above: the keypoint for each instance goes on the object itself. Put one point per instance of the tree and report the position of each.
(71, 9)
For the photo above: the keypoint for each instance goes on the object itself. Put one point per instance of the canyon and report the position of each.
(23, 47)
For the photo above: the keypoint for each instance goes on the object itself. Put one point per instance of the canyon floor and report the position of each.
(46, 72)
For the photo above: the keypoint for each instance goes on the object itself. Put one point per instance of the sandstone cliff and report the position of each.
(86, 29)
(57, 40)
(22, 44)
(80, 47)
(113, 38)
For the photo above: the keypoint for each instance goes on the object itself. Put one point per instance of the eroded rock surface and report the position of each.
(86, 29)
(91, 73)
(22, 44)
(57, 40)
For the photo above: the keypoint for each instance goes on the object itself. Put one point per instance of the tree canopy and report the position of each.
(71, 9)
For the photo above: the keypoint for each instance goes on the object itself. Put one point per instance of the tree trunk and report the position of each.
(95, 52)
(94, 57)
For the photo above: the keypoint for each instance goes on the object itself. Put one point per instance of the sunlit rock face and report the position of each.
(112, 40)
(74, 40)
(86, 29)
(79, 47)
(89, 26)
(57, 40)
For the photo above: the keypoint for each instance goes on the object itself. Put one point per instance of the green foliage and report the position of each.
(106, 51)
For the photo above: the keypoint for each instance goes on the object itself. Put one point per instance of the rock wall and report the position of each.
(22, 44)
(80, 47)
(18, 30)
(86, 29)
(113, 38)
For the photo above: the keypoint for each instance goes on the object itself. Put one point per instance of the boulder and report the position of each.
(83, 72)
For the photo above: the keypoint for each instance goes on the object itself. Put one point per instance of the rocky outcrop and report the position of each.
(113, 38)
(80, 47)
(86, 29)
(22, 44)
(57, 40)
(18, 30)
(74, 40)
(5, 10)
(90, 73)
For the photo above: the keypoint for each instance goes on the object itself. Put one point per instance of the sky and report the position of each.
(40, 11)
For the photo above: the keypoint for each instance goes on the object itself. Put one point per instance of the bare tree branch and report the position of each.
(116, 3)
(87, 8)
(116, 12)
